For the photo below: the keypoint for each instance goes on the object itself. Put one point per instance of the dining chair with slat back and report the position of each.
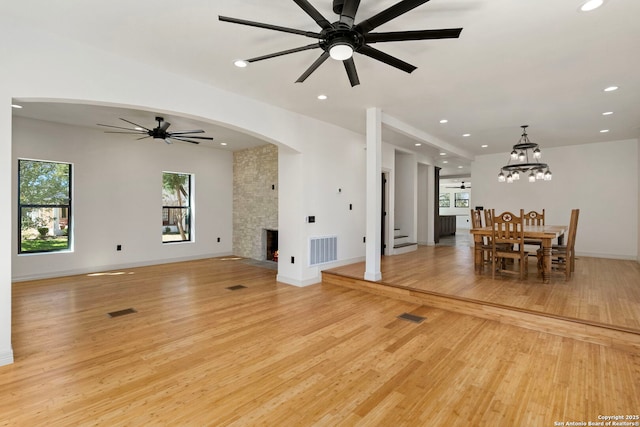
(563, 256)
(508, 243)
(484, 248)
(534, 218)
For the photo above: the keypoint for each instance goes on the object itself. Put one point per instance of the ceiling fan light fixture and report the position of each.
(341, 51)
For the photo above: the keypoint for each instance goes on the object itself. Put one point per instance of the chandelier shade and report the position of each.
(524, 158)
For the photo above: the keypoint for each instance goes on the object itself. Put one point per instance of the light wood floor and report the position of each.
(605, 291)
(198, 354)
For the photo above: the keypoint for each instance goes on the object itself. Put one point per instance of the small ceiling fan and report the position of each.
(340, 39)
(160, 132)
(461, 186)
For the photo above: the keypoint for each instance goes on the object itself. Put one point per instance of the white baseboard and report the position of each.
(604, 255)
(299, 283)
(112, 267)
(6, 358)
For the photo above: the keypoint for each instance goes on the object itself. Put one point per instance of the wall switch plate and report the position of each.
(311, 218)
(118, 247)
(293, 260)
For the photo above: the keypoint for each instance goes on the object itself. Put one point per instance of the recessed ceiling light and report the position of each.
(223, 143)
(466, 134)
(604, 131)
(611, 88)
(591, 5)
(443, 154)
(138, 128)
(459, 167)
(16, 106)
(484, 146)
(417, 144)
(445, 162)
(444, 121)
(322, 97)
(607, 113)
(241, 63)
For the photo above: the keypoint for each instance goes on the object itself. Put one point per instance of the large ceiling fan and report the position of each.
(160, 132)
(340, 39)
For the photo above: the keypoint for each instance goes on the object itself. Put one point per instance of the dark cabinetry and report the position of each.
(447, 225)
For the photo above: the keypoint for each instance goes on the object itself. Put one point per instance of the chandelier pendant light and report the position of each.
(525, 159)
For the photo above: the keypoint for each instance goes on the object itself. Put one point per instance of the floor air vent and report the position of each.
(236, 287)
(323, 249)
(412, 318)
(122, 312)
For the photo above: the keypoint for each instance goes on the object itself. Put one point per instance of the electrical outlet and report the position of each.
(218, 240)
(118, 247)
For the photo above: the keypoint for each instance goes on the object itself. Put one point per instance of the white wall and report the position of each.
(424, 214)
(116, 183)
(600, 179)
(405, 194)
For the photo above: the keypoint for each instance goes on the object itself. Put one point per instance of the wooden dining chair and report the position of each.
(507, 236)
(563, 257)
(534, 218)
(484, 248)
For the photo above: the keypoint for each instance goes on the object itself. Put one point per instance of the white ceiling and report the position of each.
(541, 63)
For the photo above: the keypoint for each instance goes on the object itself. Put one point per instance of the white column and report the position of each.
(7, 219)
(374, 194)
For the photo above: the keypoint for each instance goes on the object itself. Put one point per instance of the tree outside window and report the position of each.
(176, 207)
(44, 206)
(462, 200)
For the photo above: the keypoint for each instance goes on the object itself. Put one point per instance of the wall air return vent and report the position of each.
(323, 250)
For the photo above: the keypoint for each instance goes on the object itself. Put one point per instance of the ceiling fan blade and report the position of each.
(313, 13)
(128, 133)
(349, 10)
(386, 58)
(168, 141)
(135, 124)
(269, 26)
(350, 66)
(173, 135)
(177, 138)
(180, 132)
(397, 36)
(164, 126)
(144, 137)
(388, 14)
(313, 67)
(284, 52)
(119, 127)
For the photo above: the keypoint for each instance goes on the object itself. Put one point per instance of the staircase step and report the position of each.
(403, 245)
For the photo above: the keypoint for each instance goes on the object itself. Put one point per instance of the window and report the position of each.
(445, 200)
(44, 206)
(462, 200)
(176, 207)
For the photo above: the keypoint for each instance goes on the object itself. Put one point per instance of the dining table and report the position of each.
(545, 233)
